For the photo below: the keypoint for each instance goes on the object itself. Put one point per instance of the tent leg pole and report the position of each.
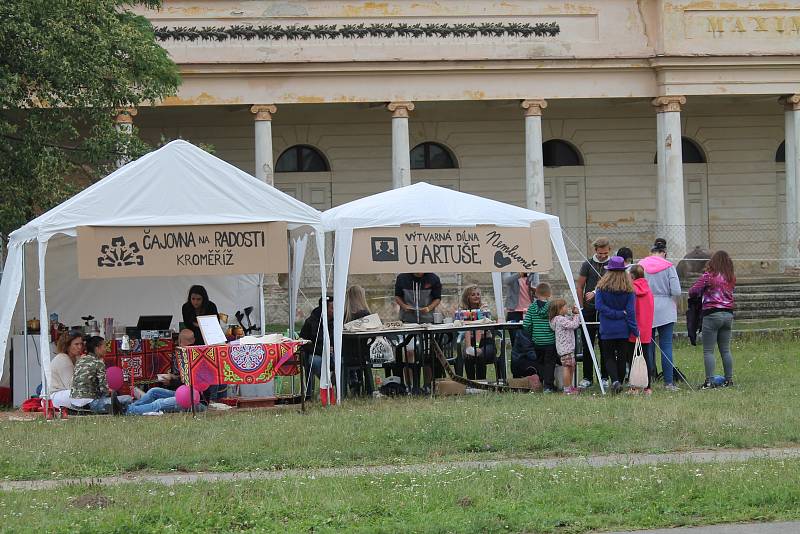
(25, 325)
(302, 385)
(263, 313)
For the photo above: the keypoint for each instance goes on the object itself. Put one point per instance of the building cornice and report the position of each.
(550, 64)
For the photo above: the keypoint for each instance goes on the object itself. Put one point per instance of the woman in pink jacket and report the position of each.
(645, 309)
(716, 287)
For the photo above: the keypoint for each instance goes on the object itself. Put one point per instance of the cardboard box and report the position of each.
(525, 383)
(519, 383)
(446, 386)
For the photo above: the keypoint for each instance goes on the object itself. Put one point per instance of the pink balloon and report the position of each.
(115, 378)
(182, 397)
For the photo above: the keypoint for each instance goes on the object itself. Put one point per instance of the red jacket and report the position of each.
(645, 308)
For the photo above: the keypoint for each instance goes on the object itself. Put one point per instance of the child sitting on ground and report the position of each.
(537, 324)
(564, 325)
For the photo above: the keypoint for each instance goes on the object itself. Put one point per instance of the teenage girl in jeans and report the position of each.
(716, 287)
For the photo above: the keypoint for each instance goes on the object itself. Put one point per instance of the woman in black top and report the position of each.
(197, 304)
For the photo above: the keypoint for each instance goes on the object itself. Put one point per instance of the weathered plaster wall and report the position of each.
(615, 189)
(607, 48)
(615, 137)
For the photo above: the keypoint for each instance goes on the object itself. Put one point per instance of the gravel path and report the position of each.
(549, 463)
(792, 527)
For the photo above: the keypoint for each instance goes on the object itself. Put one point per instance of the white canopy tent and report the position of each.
(178, 184)
(426, 205)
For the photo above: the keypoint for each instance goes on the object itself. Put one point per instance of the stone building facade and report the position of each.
(638, 118)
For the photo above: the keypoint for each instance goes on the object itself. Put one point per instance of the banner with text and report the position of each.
(132, 251)
(442, 249)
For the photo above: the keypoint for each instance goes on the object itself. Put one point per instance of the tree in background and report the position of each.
(66, 66)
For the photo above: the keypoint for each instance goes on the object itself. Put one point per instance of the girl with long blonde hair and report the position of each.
(355, 304)
(478, 346)
(615, 302)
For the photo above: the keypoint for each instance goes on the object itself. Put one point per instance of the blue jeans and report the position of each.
(665, 343)
(155, 400)
(101, 405)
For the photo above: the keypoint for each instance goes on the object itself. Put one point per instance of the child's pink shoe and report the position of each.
(571, 391)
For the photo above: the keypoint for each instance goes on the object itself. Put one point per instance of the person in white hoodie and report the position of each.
(663, 279)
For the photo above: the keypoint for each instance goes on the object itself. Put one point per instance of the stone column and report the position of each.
(671, 211)
(263, 130)
(534, 160)
(791, 116)
(124, 125)
(401, 153)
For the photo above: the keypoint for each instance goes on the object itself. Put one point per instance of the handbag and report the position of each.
(638, 375)
(381, 351)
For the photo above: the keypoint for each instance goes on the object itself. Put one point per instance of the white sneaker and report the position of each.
(584, 384)
(605, 383)
(672, 387)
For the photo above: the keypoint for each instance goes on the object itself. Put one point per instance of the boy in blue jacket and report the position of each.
(615, 303)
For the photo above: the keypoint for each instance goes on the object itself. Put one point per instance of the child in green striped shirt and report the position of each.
(537, 324)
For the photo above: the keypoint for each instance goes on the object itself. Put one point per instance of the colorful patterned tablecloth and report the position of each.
(146, 358)
(237, 364)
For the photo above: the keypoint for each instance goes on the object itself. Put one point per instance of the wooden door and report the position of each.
(695, 191)
(565, 196)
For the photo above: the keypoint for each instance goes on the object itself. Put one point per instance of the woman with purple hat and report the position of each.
(614, 300)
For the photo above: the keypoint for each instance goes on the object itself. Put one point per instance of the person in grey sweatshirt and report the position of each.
(664, 283)
(517, 289)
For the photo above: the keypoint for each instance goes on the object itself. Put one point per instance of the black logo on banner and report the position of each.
(118, 254)
(385, 249)
(501, 261)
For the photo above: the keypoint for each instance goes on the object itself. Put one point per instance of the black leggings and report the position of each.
(616, 355)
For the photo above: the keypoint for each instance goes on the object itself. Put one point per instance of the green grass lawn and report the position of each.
(568, 500)
(780, 323)
(763, 410)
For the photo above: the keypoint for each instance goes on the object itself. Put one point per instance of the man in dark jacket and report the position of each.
(590, 273)
(312, 352)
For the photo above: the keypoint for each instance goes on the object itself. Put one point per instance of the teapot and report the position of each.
(33, 326)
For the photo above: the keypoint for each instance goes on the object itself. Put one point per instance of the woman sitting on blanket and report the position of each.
(62, 367)
(89, 383)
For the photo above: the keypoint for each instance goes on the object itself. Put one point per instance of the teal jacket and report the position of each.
(537, 323)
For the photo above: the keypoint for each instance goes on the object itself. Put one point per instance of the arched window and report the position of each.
(432, 156)
(780, 155)
(558, 153)
(692, 153)
(301, 158)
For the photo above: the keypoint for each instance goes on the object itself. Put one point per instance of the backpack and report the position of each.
(523, 355)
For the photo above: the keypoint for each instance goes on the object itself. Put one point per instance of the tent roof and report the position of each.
(177, 184)
(428, 205)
